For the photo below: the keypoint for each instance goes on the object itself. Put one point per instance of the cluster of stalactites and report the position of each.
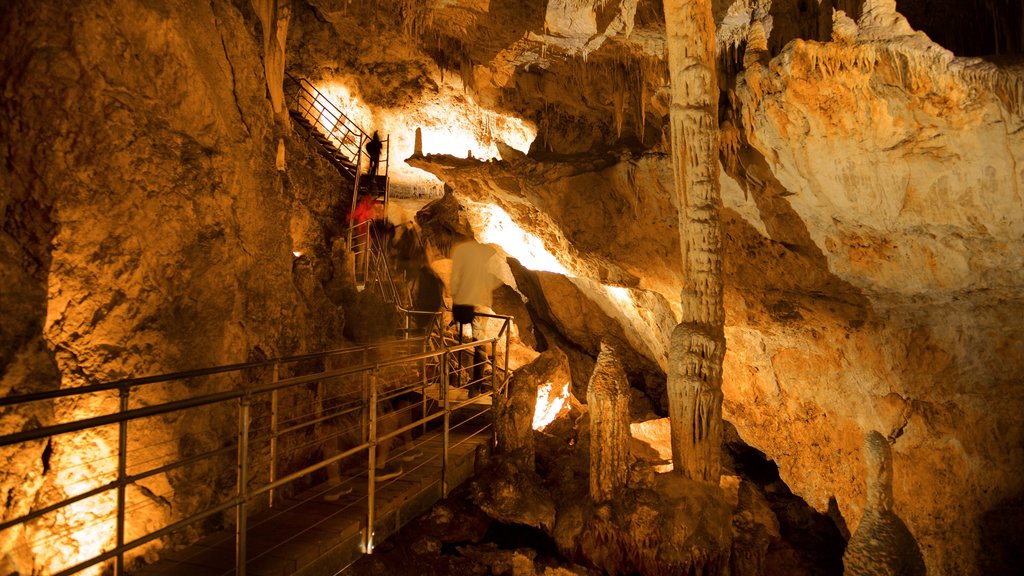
(882, 44)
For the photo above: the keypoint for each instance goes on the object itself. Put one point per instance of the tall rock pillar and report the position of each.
(608, 403)
(698, 342)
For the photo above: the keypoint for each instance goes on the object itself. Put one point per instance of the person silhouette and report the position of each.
(373, 148)
(473, 280)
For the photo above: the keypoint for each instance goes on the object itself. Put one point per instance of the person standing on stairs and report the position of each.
(473, 281)
(373, 148)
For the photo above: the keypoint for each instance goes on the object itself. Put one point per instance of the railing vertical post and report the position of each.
(494, 369)
(387, 180)
(355, 197)
(355, 185)
(273, 433)
(368, 252)
(122, 473)
(364, 418)
(426, 383)
(447, 424)
(504, 372)
(242, 488)
(494, 391)
(371, 478)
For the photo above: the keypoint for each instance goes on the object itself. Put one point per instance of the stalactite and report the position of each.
(608, 402)
(618, 103)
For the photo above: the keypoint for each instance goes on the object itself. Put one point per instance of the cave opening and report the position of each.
(984, 28)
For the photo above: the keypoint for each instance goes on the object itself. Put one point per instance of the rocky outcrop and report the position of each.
(146, 230)
(856, 298)
(513, 426)
(928, 250)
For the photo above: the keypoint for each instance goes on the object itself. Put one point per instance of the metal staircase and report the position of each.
(337, 138)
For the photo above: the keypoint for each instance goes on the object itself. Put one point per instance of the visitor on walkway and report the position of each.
(473, 281)
(364, 211)
(429, 295)
(373, 148)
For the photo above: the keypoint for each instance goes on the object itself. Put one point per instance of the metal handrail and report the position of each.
(185, 374)
(339, 128)
(244, 397)
(372, 265)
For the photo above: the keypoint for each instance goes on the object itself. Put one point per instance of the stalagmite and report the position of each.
(698, 342)
(882, 544)
(608, 400)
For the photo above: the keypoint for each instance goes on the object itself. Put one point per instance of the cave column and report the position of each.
(608, 405)
(698, 342)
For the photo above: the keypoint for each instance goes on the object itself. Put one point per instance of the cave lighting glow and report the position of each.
(87, 528)
(551, 403)
(497, 227)
(641, 326)
(450, 121)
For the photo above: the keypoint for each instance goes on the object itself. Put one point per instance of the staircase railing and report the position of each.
(369, 249)
(339, 130)
(278, 404)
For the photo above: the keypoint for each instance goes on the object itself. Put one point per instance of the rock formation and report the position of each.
(698, 342)
(146, 229)
(608, 407)
(871, 233)
(514, 418)
(882, 544)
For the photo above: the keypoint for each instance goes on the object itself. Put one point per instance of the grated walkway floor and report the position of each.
(311, 536)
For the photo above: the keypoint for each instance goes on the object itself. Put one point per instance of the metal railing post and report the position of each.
(364, 418)
(371, 478)
(447, 424)
(242, 489)
(273, 434)
(426, 384)
(494, 369)
(504, 372)
(387, 180)
(494, 391)
(122, 473)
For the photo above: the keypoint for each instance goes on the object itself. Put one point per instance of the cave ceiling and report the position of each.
(590, 75)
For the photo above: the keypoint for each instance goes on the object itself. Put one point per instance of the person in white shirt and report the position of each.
(473, 280)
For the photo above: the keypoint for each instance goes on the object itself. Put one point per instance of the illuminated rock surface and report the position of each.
(873, 224)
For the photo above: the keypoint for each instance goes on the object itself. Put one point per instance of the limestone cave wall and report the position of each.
(146, 228)
(871, 182)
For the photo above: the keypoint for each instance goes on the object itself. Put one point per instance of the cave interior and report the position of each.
(754, 295)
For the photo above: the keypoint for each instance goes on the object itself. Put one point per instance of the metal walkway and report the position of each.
(321, 531)
(290, 451)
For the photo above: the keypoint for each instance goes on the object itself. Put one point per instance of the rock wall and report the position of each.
(146, 229)
(901, 164)
(873, 243)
